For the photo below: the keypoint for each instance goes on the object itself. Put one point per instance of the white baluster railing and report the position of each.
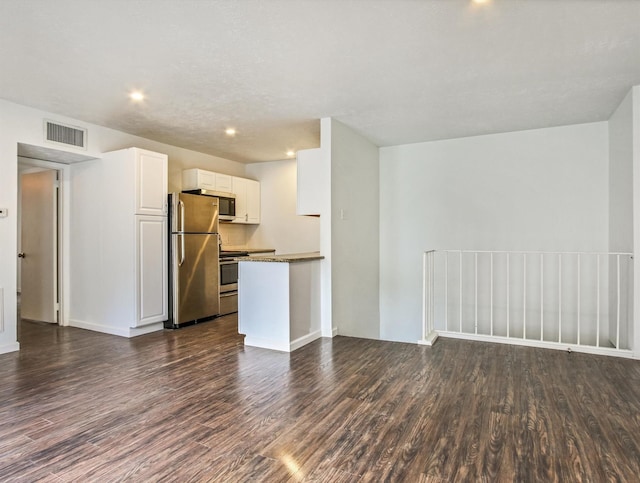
(578, 301)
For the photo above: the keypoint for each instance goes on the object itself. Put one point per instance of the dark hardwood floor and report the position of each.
(195, 405)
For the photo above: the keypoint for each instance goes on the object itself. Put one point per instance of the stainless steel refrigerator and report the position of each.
(193, 259)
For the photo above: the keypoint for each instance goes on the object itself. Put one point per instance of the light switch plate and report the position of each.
(4, 212)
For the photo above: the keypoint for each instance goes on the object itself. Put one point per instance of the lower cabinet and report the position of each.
(151, 270)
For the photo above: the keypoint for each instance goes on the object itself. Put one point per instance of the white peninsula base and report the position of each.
(279, 301)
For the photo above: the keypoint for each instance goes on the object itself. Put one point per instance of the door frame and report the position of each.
(64, 216)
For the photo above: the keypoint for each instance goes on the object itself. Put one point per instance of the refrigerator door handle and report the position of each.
(181, 203)
(181, 261)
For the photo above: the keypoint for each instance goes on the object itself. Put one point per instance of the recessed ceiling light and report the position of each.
(230, 132)
(136, 96)
(291, 153)
(480, 1)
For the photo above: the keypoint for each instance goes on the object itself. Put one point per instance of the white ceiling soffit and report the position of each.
(49, 154)
(397, 71)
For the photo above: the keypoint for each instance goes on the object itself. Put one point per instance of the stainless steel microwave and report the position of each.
(226, 203)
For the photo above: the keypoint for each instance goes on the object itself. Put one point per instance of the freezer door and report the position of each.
(194, 277)
(194, 213)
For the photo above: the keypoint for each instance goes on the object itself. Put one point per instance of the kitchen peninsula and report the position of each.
(279, 300)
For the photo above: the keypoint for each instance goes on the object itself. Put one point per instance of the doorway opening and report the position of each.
(52, 288)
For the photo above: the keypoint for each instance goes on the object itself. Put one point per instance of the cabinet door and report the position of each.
(151, 186)
(205, 180)
(247, 193)
(195, 178)
(253, 201)
(240, 190)
(151, 269)
(224, 182)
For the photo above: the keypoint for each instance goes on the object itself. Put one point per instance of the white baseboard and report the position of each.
(304, 340)
(282, 346)
(267, 344)
(127, 332)
(147, 329)
(429, 339)
(539, 344)
(4, 349)
(332, 333)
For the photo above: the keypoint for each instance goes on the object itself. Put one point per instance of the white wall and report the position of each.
(10, 127)
(544, 189)
(20, 124)
(280, 227)
(621, 177)
(354, 233)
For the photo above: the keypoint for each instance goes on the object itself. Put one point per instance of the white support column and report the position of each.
(635, 347)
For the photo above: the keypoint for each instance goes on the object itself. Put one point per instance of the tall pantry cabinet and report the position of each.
(119, 243)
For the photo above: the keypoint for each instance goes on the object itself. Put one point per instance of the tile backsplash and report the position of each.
(233, 235)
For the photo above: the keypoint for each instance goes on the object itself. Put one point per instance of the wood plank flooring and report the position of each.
(196, 405)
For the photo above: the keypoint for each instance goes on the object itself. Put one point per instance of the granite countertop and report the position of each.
(226, 248)
(290, 258)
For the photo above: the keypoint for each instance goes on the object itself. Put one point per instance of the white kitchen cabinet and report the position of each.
(119, 241)
(253, 201)
(151, 270)
(224, 183)
(196, 178)
(247, 193)
(150, 182)
(311, 186)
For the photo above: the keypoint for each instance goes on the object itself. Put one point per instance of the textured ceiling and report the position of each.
(397, 71)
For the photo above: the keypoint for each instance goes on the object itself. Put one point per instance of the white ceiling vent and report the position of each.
(55, 132)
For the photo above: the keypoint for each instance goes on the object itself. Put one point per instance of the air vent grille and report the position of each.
(68, 135)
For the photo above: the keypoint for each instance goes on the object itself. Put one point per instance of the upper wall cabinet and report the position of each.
(139, 178)
(247, 193)
(310, 182)
(224, 182)
(193, 179)
(151, 182)
(207, 180)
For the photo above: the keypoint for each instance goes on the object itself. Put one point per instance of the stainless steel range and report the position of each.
(229, 281)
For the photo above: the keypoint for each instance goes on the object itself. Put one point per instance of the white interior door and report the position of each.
(38, 254)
